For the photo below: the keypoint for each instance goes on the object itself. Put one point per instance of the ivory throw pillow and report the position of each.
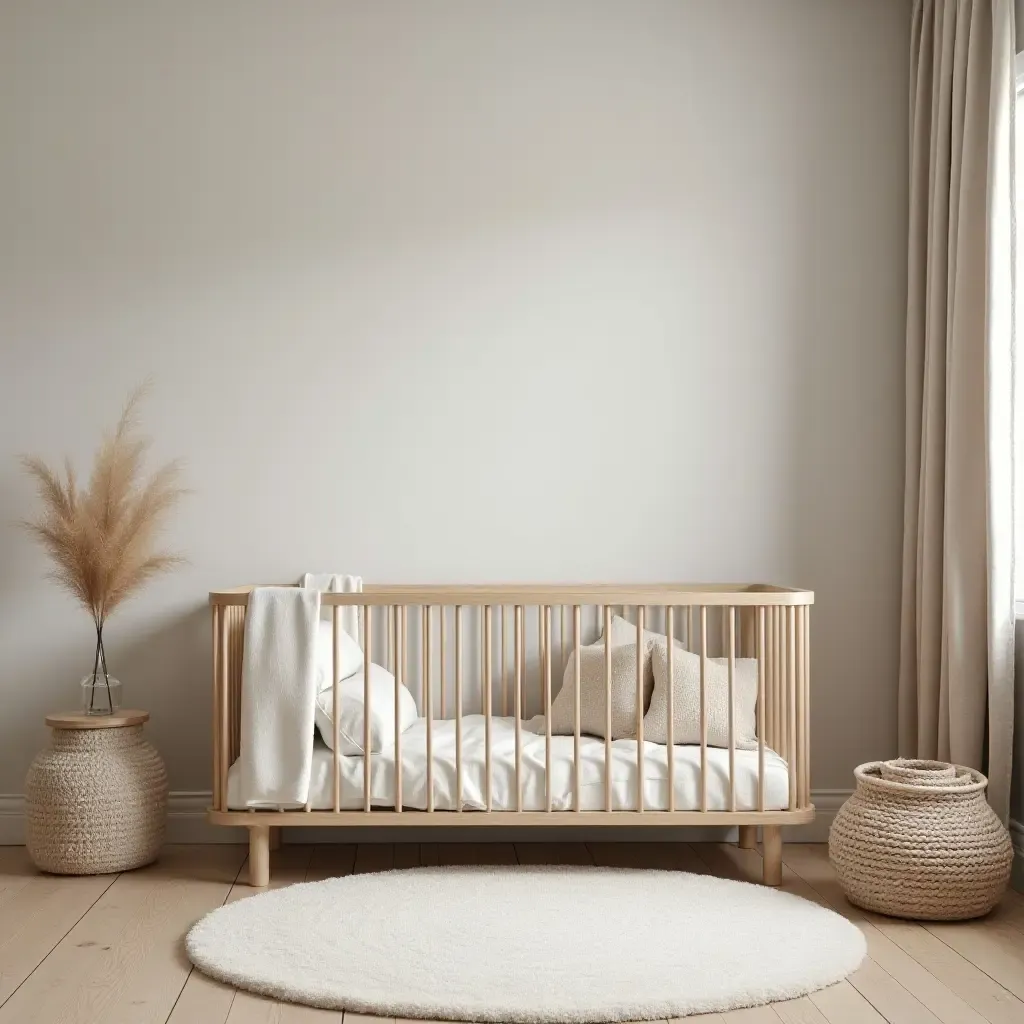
(382, 712)
(623, 637)
(686, 699)
(592, 694)
(624, 632)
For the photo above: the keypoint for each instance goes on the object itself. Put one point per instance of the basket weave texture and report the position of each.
(96, 802)
(917, 839)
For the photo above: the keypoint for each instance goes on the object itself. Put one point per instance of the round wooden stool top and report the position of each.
(77, 720)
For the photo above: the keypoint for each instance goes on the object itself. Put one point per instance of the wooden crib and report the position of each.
(518, 638)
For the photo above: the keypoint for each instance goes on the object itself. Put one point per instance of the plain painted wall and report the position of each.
(461, 292)
(1017, 793)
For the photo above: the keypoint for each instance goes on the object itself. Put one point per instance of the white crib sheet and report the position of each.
(503, 773)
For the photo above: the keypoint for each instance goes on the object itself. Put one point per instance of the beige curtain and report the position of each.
(956, 663)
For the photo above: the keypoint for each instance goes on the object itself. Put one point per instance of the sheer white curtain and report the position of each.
(956, 665)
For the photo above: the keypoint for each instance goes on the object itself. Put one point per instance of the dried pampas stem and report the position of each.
(101, 540)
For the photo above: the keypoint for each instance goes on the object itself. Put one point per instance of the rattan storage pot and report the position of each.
(97, 797)
(917, 839)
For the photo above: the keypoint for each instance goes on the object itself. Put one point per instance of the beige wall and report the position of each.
(1017, 796)
(461, 291)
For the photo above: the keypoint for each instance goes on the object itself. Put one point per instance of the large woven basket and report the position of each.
(917, 839)
(96, 802)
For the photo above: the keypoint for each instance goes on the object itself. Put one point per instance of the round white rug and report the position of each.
(527, 944)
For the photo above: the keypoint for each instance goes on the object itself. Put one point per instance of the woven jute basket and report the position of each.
(96, 802)
(918, 839)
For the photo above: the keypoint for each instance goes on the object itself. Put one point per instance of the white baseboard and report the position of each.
(186, 823)
(1017, 835)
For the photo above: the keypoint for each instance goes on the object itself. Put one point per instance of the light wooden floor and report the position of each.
(109, 949)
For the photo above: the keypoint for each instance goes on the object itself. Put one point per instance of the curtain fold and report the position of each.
(956, 656)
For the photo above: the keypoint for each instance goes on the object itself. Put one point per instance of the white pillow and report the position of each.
(382, 712)
(350, 655)
(686, 699)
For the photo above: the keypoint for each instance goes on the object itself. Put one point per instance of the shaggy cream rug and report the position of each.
(527, 944)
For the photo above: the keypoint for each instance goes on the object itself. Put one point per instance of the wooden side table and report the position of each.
(96, 798)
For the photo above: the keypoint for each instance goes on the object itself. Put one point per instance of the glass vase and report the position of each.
(101, 695)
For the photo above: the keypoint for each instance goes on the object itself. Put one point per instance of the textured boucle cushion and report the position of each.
(686, 699)
(592, 686)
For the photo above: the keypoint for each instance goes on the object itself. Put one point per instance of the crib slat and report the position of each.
(640, 609)
(703, 708)
(547, 706)
(367, 754)
(444, 666)
(542, 653)
(748, 628)
(562, 630)
(517, 655)
(225, 667)
(783, 683)
(428, 702)
(807, 703)
(405, 649)
(487, 702)
(504, 664)
(671, 738)
(799, 757)
(458, 708)
(576, 708)
(234, 733)
(731, 641)
(607, 707)
(522, 656)
(780, 735)
(776, 740)
(400, 669)
(218, 727)
(794, 760)
(760, 706)
(391, 640)
(336, 707)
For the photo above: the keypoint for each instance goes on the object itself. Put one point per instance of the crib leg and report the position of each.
(259, 855)
(748, 837)
(275, 837)
(771, 854)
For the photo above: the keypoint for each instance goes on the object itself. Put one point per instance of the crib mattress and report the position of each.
(503, 773)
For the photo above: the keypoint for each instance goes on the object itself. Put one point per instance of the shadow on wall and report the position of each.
(841, 435)
(164, 664)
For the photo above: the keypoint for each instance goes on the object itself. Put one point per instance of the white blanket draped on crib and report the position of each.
(278, 705)
(278, 696)
(338, 583)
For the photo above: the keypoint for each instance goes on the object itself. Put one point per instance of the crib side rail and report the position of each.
(517, 648)
(228, 634)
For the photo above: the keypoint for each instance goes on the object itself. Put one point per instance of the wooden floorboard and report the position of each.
(952, 987)
(124, 961)
(205, 1001)
(36, 912)
(108, 949)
